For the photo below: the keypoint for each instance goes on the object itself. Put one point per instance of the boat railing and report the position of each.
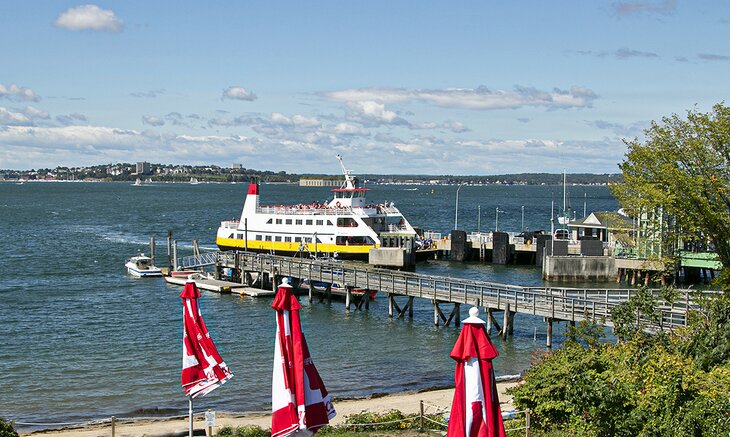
(304, 210)
(395, 228)
(230, 224)
(429, 235)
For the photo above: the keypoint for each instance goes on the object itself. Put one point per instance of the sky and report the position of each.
(394, 87)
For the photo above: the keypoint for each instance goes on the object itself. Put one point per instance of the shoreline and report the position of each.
(408, 403)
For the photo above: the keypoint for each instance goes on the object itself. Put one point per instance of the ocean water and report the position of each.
(83, 341)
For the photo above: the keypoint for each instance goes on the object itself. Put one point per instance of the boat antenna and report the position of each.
(349, 182)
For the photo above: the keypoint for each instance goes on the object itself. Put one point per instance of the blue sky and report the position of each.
(409, 87)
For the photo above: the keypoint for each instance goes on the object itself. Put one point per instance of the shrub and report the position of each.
(244, 431)
(7, 429)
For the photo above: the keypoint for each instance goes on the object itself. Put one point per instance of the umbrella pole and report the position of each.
(190, 416)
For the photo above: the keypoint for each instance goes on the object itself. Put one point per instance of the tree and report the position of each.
(683, 168)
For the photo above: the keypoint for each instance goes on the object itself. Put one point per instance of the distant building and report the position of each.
(143, 167)
(319, 182)
(115, 170)
(236, 166)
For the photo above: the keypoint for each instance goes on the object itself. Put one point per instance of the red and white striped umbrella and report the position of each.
(475, 410)
(203, 369)
(299, 400)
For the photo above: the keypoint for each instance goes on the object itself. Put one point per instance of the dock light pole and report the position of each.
(456, 215)
(496, 219)
(479, 218)
(523, 218)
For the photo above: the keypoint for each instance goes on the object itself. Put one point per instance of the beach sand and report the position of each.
(408, 403)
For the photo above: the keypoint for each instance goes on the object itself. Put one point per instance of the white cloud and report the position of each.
(238, 93)
(27, 116)
(481, 98)
(153, 120)
(663, 7)
(151, 94)
(89, 17)
(69, 119)
(373, 110)
(9, 117)
(17, 93)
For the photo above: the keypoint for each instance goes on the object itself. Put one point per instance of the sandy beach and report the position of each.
(408, 403)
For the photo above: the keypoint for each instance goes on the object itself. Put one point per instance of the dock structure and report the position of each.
(553, 304)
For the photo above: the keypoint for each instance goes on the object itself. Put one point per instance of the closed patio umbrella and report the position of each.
(475, 411)
(299, 399)
(203, 369)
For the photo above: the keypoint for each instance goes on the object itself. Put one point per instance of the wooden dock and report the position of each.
(553, 304)
(216, 285)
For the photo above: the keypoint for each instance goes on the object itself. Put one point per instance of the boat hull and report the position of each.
(144, 273)
(342, 255)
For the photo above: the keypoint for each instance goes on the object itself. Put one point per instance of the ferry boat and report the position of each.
(345, 228)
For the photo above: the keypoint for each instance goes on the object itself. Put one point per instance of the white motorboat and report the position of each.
(141, 266)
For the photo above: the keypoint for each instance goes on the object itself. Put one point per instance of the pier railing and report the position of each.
(553, 303)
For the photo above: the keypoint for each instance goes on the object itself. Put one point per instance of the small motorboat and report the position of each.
(141, 266)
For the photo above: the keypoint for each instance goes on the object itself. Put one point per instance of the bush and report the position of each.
(244, 431)
(7, 429)
(652, 385)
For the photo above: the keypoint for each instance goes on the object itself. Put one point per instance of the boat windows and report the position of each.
(268, 238)
(297, 239)
(346, 222)
(319, 222)
(354, 241)
(287, 239)
(239, 236)
(288, 221)
(231, 236)
(277, 238)
(309, 222)
(278, 221)
(269, 221)
(298, 222)
(258, 238)
(329, 223)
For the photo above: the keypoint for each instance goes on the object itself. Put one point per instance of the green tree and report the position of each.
(682, 167)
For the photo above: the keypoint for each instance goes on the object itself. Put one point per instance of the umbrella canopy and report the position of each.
(475, 410)
(203, 369)
(299, 399)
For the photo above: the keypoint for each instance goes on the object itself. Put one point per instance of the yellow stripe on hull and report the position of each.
(280, 246)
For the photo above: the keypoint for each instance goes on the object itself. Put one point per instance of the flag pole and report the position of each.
(190, 416)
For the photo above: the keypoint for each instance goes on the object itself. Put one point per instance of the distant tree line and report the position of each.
(214, 173)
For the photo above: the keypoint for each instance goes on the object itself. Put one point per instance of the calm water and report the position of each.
(82, 340)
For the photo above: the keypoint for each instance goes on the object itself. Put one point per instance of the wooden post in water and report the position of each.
(410, 307)
(174, 254)
(457, 317)
(390, 305)
(114, 425)
(152, 250)
(435, 313)
(196, 249)
(505, 320)
(348, 298)
(169, 250)
(511, 324)
(549, 340)
(489, 320)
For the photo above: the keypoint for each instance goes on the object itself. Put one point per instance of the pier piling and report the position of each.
(549, 340)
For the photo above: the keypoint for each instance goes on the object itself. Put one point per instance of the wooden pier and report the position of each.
(553, 304)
